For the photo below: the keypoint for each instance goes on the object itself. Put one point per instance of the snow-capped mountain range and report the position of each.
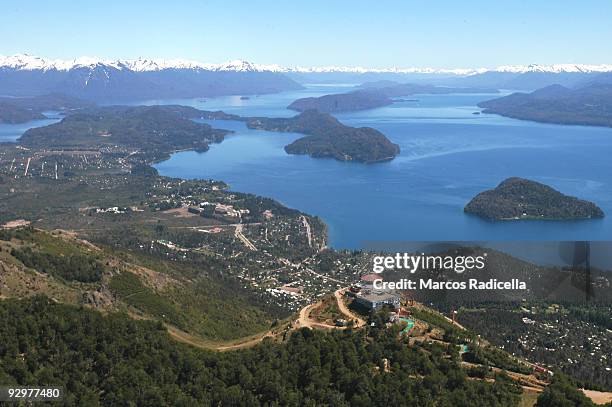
(101, 80)
(29, 62)
(116, 80)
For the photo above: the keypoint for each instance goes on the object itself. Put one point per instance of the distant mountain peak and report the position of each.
(122, 79)
(30, 62)
(551, 91)
(237, 65)
(557, 68)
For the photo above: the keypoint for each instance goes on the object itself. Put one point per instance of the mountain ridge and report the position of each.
(107, 80)
(142, 64)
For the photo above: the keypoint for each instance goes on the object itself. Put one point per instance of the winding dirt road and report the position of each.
(350, 315)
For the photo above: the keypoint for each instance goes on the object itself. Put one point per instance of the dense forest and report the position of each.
(518, 198)
(563, 393)
(114, 360)
(74, 267)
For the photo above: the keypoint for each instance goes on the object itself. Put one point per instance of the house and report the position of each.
(227, 210)
(375, 300)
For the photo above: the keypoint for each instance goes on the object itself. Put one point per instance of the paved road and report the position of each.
(243, 238)
(308, 231)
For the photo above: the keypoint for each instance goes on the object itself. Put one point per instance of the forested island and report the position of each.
(518, 198)
(372, 95)
(590, 105)
(23, 109)
(327, 137)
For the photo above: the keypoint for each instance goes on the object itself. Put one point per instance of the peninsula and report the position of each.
(159, 130)
(327, 137)
(590, 105)
(16, 110)
(518, 198)
(371, 95)
(343, 102)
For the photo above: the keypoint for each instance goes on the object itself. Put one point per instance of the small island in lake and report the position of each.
(519, 198)
(327, 137)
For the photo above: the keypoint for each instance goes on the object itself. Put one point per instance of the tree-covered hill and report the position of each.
(518, 198)
(190, 297)
(114, 360)
(327, 137)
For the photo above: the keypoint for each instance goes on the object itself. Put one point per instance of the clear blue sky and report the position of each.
(373, 34)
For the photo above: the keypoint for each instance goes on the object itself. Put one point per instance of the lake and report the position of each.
(11, 132)
(448, 155)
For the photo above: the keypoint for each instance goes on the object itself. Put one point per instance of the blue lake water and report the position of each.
(448, 156)
(11, 132)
